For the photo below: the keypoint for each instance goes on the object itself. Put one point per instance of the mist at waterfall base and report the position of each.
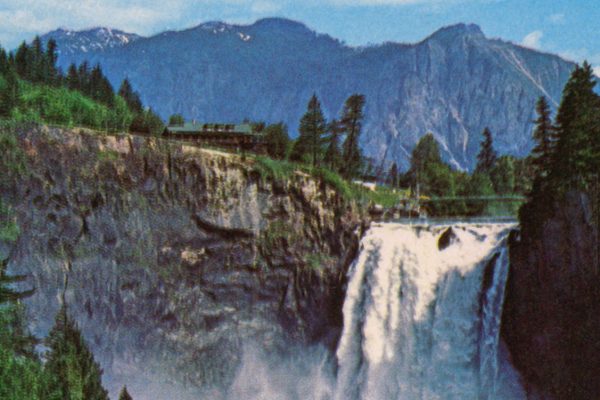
(422, 317)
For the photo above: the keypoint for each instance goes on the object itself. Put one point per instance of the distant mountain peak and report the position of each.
(456, 30)
(280, 23)
(92, 39)
(215, 26)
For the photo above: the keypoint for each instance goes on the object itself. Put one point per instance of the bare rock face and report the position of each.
(551, 319)
(172, 258)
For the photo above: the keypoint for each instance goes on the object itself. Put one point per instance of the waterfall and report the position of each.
(422, 316)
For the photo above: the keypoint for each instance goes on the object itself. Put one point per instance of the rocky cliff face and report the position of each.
(551, 317)
(172, 258)
(454, 83)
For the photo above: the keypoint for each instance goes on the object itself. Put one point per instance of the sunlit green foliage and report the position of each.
(454, 193)
(61, 106)
(33, 89)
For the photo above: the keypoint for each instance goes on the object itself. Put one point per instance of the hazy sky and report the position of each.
(570, 28)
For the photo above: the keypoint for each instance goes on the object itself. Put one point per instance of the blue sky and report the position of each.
(570, 28)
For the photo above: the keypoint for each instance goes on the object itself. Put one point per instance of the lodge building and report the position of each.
(232, 136)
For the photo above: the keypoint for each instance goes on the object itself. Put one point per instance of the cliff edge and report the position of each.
(173, 258)
(551, 317)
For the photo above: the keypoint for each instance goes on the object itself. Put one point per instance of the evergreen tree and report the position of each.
(258, 126)
(487, 156)
(576, 160)
(543, 135)
(333, 155)
(72, 80)
(479, 185)
(147, 122)
(131, 97)
(22, 61)
(125, 394)
(312, 129)
(3, 61)
(100, 88)
(52, 74)
(9, 95)
(502, 175)
(301, 150)
(393, 176)
(73, 373)
(83, 71)
(37, 62)
(174, 120)
(276, 140)
(428, 174)
(21, 375)
(426, 152)
(351, 122)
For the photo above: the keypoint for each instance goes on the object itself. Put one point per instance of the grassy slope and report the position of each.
(64, 107)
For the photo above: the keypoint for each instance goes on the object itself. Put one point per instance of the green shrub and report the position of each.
(274, 169)
(334, 180)
(61, 106)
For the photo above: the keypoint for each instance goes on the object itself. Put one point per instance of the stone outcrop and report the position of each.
(172, 258)
(551, 319)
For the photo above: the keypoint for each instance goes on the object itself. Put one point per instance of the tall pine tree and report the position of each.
(576, 160)
(276, 140)
(487, 155)
(73, 372)
(22, 61)
(37, 62)
(9, 95)
(312, 129)
(131, 97)
(333, 155)
(351, 122)
(393, 175)
(543, 136)
(3, 61)
(52, 75)
(72, 79)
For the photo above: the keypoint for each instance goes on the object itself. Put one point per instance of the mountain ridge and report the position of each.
(453, 83)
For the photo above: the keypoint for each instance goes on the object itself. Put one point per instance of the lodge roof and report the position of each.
(195, 128)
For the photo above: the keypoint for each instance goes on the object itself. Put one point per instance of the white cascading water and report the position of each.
(422, 322)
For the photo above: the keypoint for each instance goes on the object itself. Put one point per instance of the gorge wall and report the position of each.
(550, 318)
(173, 259)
